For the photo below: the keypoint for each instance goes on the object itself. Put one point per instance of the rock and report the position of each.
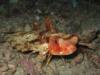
(0, 73)
(3, 73)
(12, 67)
(2, 37)
(37, 17)
(29, 67)
(88, 35)
(98, 35)
(48, 71)
(17, 28)
(38, 11)
(19, 71)
(9, 72)
(27, 28)
(77, 60)
(7, 55)
(3, 67)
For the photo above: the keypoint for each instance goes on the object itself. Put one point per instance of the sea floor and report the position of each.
(78, 21)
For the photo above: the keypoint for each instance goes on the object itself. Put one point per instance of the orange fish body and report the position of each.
(59, 46)
(53, 46)
(66, 47)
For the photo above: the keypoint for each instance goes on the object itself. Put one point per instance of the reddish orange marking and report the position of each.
(61, 47)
